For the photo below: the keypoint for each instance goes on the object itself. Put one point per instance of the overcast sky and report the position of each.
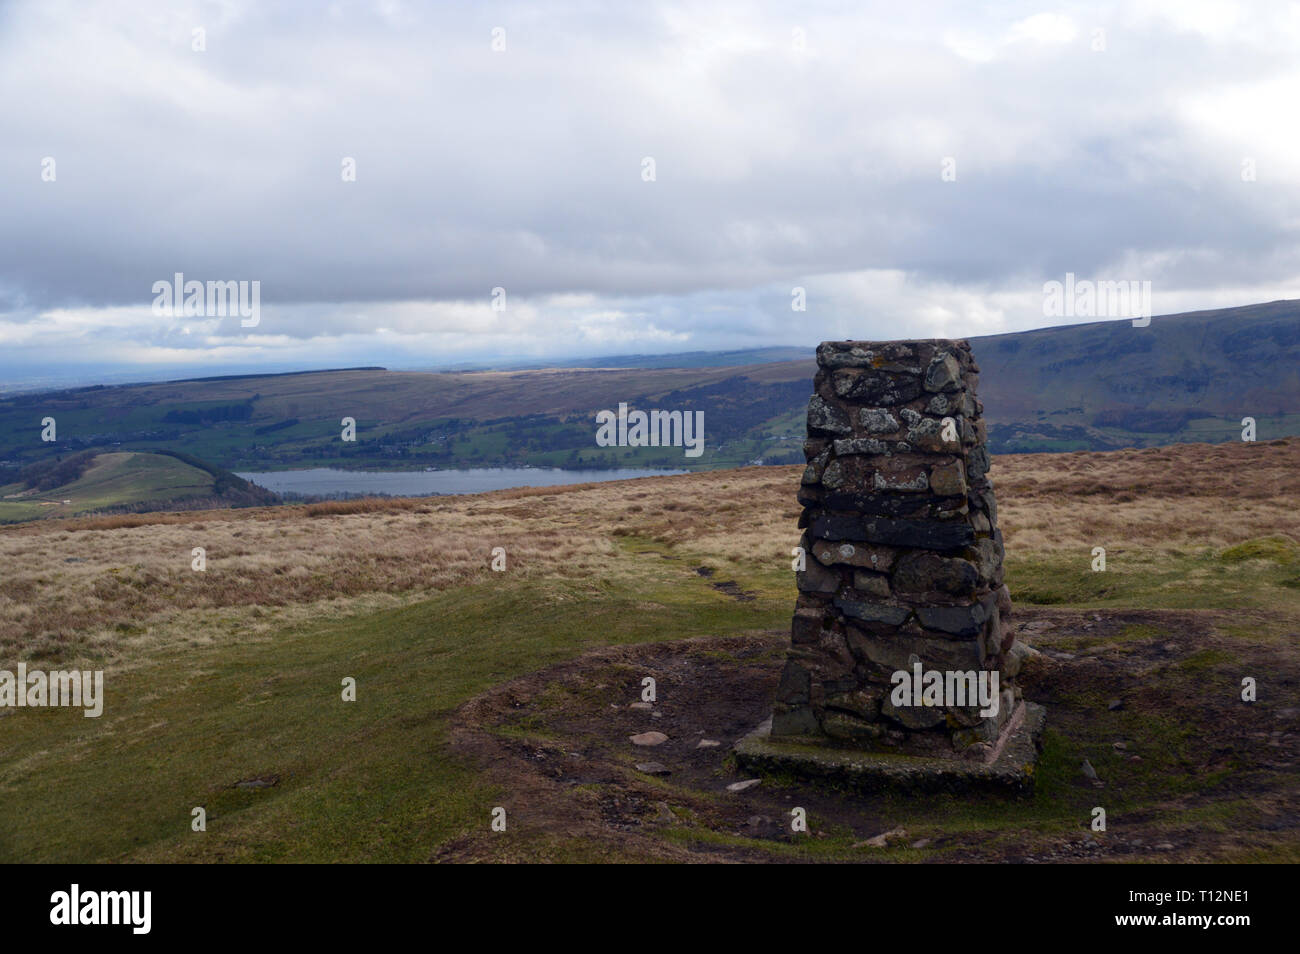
(794, 145)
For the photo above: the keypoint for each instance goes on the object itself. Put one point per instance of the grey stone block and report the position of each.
(965, 621)
(826, 417)
(873, 612)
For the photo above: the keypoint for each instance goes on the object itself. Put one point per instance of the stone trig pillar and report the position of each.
(903, 560)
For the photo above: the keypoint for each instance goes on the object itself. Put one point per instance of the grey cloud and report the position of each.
(522, 169)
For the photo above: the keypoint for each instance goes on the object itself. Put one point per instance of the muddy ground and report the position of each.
(1186, 771)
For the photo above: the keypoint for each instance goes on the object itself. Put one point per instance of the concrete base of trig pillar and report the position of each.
(1008, 768)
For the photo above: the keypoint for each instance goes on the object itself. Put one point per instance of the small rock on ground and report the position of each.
(743, 786)
(883, 839)
(648, 738)
(653, 768)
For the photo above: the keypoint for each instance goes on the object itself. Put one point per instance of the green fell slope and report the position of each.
(1103, 385)
(125, 480)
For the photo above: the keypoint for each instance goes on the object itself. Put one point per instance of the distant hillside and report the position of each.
(1104, 385)
(119, 482)
(682, 359)
(1189, 377)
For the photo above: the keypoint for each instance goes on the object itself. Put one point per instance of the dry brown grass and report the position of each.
(1181, 497)
(116, 588)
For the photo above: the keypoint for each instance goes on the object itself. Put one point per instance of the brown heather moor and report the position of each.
(116, 590)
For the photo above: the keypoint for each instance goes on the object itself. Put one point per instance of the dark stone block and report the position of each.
(794, 721)
(795, 685)
(877, 504)
(812, 473)
(837, 527)
(965, 621)
(806, 627)
(877, 420)
(922, 572)
(925, 534)
(877, 388)
(873, 612)
(809, 496)
(848, 727)
(812, 447)
(903, 356)
(865, 705)
(871, 585)
(815, 578)
(851, 471)
(836, 687)
(989, 564)
(943, 374)
(860, 445)
(893, 647)
(879, 559)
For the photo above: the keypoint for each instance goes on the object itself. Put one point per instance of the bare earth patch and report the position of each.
(1185, 770)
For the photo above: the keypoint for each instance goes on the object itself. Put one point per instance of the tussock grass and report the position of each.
(117, 589)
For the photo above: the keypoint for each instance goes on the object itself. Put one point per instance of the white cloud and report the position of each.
(776, 167)
(1054, 29)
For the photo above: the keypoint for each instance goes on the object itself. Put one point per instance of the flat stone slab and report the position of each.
(1010, 770)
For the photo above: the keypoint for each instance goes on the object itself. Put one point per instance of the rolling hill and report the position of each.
(125, 481)
(1096, 386)
(1189, 377)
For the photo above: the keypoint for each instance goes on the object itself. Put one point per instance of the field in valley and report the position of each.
(478, 689)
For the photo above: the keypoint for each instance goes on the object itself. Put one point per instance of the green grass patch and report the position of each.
(1276, 549)
(113, 480)
(1206, 660)
(370, 780)
(1152, 580)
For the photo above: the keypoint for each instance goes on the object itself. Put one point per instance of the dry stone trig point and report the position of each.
(903, 574)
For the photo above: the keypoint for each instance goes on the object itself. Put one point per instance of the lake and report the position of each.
(418, 483)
